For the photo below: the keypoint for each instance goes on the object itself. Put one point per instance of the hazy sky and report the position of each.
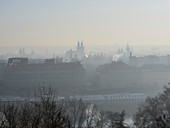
(97, 22)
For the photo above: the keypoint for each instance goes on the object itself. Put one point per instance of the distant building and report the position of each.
(117, 75)
(123, 55)
(156, 75)
(150, 59)
(2, 69)
(77, 54)
(91, 62)
(16, 61)
(22, 52)
(64, 76)
(122, 75)
(96, 59)
(114, 97)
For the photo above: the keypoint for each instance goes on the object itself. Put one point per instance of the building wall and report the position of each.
(2, 69)
(119, 79)
(154, 76)
(62, 80)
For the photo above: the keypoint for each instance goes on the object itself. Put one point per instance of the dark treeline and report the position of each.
(47, 112)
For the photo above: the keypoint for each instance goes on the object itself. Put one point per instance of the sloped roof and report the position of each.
(47, 67)
(114, 66)
(155, 67)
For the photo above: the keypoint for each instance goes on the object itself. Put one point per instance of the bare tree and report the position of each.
(24, 115)
(9, 114)
(77, 112)
(92, 116)
(54, 112)
(101, 121)
(46, 112)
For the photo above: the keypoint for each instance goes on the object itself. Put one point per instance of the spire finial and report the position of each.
(78, 44)
(81, 43)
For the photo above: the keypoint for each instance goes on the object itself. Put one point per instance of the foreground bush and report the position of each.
(154, 112)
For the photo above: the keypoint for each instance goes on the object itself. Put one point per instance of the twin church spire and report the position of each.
(80, 46)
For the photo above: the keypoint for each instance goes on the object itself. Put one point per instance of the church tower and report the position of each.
(128, 48)
(78, 45)
(80, 50)
(82, 46)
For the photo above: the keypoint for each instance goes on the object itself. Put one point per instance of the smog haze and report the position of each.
(96, 22)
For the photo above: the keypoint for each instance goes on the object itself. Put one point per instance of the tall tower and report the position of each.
(78, 45)
(82, 46)
(128, 48)
(80, 50)
(20, 52)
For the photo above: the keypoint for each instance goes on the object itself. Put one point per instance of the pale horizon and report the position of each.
(97, 22)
